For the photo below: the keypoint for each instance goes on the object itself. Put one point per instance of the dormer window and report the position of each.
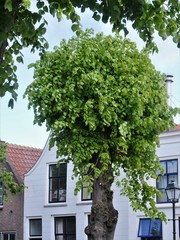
(57, 183)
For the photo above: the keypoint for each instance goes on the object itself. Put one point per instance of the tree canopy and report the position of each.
(6, 177)
(105, 105)
(21, 27)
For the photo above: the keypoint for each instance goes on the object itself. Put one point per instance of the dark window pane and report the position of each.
(65, 228)
(12, 236)
(144, 227)
(172, 166)
(58, 171)
(62, 183)
(53, 171)
(60, 238)
(71, 225)
(35, 238)
(1, 183)
(5, 236)
(59, 225)
(63, 169)
(172, 178)
(57, 190)
(53, 190)
(86, 195)
(152, 238)
(155, 227)
(163, 198)
(35, 227)
(162, 183)
(149, 228)
(1, 192)
(163, 164)
(71, 238)
(62, 195)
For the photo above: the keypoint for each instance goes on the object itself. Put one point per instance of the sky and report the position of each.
(16, 125)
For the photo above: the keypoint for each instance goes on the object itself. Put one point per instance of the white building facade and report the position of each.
(53, 212)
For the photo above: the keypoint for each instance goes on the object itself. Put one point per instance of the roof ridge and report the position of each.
(22, 146)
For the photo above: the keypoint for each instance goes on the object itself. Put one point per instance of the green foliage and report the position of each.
(20, 27)
(105, 105)
(9, 185)
(8, 5)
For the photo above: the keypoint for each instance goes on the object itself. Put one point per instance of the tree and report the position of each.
(6, 177)
(20, 27)
(105, 105)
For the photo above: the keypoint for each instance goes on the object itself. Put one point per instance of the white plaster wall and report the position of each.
(169, 145)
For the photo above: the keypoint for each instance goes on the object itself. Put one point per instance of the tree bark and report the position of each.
(103, 216)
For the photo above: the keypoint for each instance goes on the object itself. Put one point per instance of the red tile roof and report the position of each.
(178, 127)
(22, 158)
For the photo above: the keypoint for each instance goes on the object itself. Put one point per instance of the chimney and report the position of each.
(169, 82)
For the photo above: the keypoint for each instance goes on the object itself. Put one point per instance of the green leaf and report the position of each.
(26, 3)
(75, 27)
(19, 59)
(8, 5)
(39, 4)
(96, 16)
(45, 8)
(11, 103)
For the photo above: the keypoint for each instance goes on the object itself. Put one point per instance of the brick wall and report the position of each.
(11, 216)
(11, 213)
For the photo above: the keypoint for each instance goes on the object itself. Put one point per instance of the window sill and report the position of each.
(166, 205)
(55, 204)
(88, 202)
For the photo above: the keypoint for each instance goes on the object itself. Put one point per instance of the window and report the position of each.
(150, 229)
(1, 192)
(7, 236)
(35, 229)
(170, 174)
(65, 228)
(85, 194)
(57, 183)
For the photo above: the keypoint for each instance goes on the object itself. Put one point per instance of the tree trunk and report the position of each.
(103, 216)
